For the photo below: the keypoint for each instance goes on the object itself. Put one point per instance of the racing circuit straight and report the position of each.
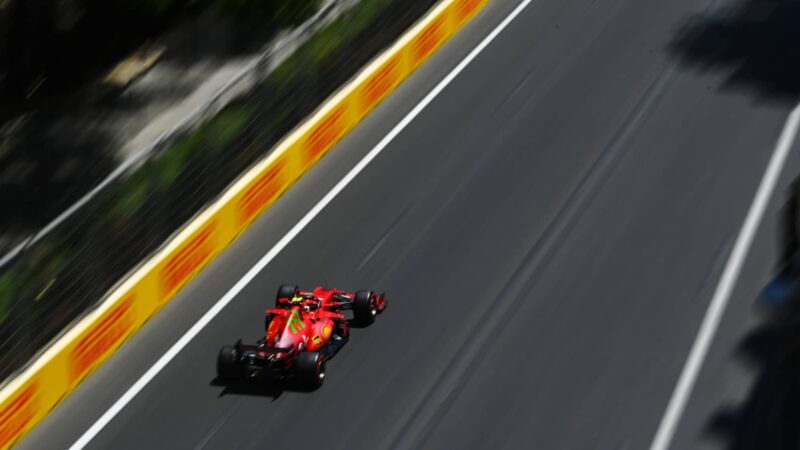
(254, 271)
(700, 347)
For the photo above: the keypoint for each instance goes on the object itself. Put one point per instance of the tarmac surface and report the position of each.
(549, 232)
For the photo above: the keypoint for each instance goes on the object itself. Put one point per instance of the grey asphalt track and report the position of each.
(549, 232)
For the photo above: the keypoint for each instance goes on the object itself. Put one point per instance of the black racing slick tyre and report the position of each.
(365, 307)
(286, 291)
(228, 363)
(310, 370)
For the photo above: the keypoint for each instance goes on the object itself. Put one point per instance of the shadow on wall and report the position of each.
(755, 43)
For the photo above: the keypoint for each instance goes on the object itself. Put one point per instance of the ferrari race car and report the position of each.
(302, 332)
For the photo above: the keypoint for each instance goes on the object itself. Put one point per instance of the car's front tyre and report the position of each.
(365, 307)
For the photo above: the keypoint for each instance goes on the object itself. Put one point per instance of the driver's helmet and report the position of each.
(297, 299)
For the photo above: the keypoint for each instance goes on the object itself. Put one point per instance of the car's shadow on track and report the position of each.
(273, 389)
(356, 325)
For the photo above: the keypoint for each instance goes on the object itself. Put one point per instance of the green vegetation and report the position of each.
(9, 290)
(161, 174)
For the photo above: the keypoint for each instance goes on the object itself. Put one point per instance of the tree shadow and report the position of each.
(769, 418)
(753, 43)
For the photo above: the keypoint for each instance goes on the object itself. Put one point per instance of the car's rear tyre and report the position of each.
(228, 363)
(286, 291)
(365, 307)
(310, 370)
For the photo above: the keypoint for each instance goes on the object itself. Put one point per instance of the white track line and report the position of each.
(274, 251)
(702, 343)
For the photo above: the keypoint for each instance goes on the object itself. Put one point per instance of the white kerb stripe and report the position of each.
(285, 240)
(727, 282)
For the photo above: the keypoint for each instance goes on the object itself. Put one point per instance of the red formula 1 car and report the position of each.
(302, 332)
